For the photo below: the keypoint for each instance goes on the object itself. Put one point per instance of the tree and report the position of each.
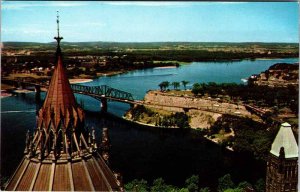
(196, 89)
(203, 88)
(160, 185)
(225, 182)
(181, 120)
(213, 89)
(164, 85)
(183, 190)
(244, 185)
(205, 189)
(192, 183)
(184, 83)
(167, 84)
(260, 185)
(137, 185)
(175, 84)
(234, 190)
(161, 86)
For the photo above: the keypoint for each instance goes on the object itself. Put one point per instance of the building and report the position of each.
(282, 165)
(62, 155)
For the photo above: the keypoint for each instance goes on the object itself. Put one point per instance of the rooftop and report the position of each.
(286, 139)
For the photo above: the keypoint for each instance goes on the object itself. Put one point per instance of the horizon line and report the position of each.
(150, 42)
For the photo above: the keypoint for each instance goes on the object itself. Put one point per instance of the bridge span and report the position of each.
(101, 92)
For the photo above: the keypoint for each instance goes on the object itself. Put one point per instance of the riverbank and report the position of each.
(74, 81)
(202, 112)
(4, 94)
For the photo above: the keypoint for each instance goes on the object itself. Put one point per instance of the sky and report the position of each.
(80, 21)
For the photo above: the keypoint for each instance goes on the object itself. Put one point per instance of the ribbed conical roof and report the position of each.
(60, 95)
(60, 103)
(60, 100)
(286, 139)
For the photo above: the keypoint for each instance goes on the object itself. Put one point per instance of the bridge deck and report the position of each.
(98, 92)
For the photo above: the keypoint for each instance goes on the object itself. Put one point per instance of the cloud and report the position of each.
(86, 24)
(145, 3)
(166, 3)
(225, 2)
(26, 31)
(18, 5)
(21, 5)
(66, 4)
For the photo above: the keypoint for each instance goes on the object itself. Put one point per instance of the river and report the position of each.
(139, 152)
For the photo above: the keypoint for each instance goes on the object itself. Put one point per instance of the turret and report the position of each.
(105, 145)
(282, 165)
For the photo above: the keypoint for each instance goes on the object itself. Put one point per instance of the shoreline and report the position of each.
(277, 58)
(4, 94)
(165, 67)
(74, 81)
(149, 125)
(111, 73)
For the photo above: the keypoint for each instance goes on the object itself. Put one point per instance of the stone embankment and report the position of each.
(203, 112)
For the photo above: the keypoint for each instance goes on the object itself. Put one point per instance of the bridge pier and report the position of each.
(103, 104)
(37, 90)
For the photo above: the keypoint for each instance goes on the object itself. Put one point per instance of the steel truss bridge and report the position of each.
(103, 91)
(98, 92)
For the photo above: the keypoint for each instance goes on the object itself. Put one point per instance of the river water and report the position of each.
(141, 152)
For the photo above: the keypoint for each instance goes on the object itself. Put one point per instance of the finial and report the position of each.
(93, 134)
(89, 139)
(57, 21)
(282, 153)
(58, 38)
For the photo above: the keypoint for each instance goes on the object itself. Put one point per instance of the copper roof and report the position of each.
(91, 174)
(60, 97)
(60, 101)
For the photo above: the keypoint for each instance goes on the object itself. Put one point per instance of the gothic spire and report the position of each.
(58, 156)
(58, 38)
(60, 104)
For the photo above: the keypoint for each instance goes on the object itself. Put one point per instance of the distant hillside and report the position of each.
(157, 51)
(156, 45)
